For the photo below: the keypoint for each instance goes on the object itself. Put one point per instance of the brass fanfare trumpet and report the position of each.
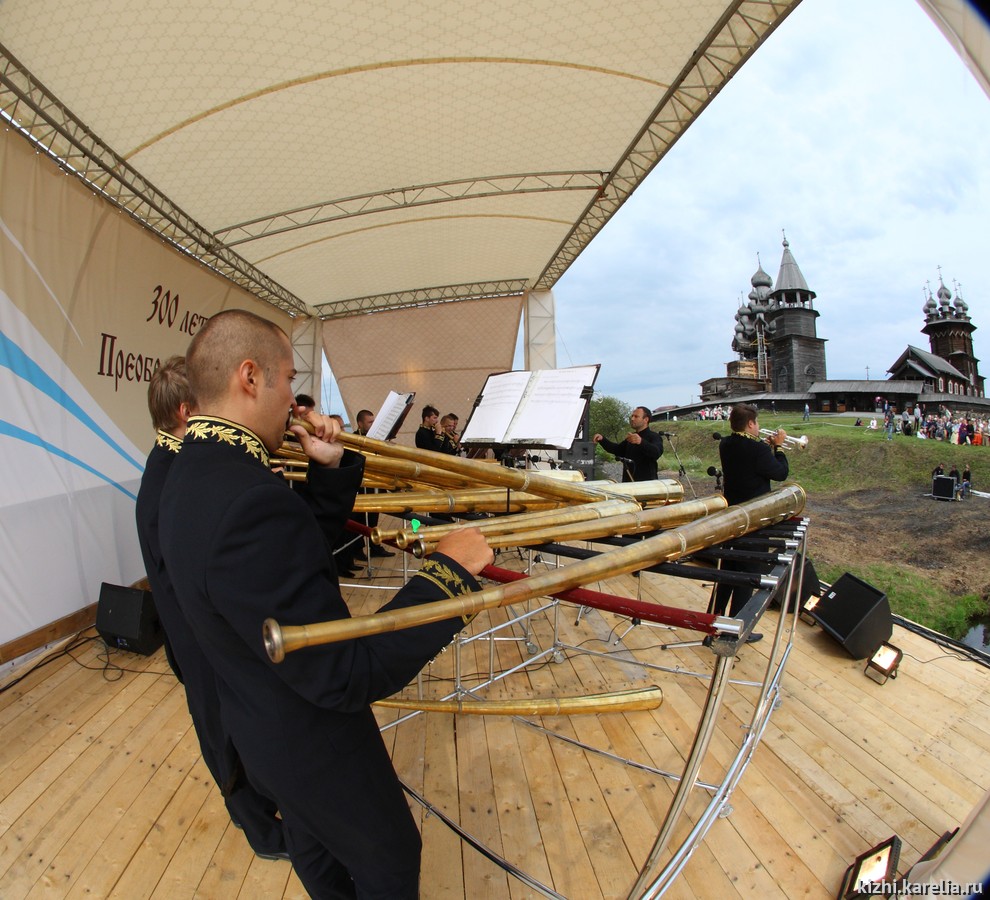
(669, 545)
(790, 443)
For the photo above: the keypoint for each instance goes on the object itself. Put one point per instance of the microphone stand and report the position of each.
(681, 471)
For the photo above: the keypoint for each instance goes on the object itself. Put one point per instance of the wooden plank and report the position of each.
(570, 865)
(28, 850)
(142, 793)
(441, 874)
(266, 878)
(227, 868)
(517, 818)
(150, 860)
(34, 684)
(66, 626)
(184, 871)
(478, 813)
(602, 836)
(53, 740)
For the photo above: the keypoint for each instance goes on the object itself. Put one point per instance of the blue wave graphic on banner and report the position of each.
(15, 359)
(14, 431)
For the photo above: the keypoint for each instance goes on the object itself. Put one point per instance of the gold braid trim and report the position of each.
(168, 441)
(217, 430)
(748, 436)
(446, 579)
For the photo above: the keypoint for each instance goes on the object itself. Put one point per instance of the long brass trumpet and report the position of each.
(486, 473)
(669, 545)
(790, 443)
(403, 537)
(621, 523)
(614, 701)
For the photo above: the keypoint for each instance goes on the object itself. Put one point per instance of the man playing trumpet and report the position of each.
(240, 547)
(749, 464)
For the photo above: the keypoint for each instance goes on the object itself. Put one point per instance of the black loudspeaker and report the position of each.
(856, 614)
(580, 455)
(126, 618)
(943, 487)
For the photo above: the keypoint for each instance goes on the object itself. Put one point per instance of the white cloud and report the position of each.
(858, 130)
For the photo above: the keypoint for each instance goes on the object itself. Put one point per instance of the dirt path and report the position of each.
(948, 542)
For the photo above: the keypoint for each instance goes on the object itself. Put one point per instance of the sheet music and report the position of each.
(393, 407)
(491, 418)
(551, 409)
(531, 408)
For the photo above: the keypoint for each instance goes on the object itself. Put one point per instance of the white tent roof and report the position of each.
(334, 157)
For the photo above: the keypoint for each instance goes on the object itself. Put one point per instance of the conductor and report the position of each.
(639, 451)
(749, 464)
(241, 547)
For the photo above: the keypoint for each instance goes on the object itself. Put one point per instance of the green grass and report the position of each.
(840, 458)
(913, 596)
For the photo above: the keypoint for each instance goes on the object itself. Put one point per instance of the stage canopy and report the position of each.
(334, 158)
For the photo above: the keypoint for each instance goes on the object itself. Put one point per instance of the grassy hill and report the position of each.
(870, 513)
(839, 456)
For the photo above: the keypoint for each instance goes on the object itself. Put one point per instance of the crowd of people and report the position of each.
(941, 425)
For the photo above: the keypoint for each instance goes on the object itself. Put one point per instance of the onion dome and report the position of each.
(944, 297)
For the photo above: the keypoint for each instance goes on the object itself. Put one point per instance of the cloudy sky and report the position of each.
(857, 130)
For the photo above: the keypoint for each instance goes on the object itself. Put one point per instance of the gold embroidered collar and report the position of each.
(747, 435)
(217, 430)
(168, 441)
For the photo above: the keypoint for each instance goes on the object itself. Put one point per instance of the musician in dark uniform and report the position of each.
(171, 402)
(639, 451)
(749, 464)
(241, 547)
(431, 434)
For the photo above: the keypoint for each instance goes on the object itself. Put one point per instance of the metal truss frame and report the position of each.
(35, 112)
(430, 296)
(408, 198)
(733, 39)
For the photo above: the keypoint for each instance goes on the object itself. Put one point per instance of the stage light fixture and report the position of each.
(884, 662)
(807, 608)
(877, 865)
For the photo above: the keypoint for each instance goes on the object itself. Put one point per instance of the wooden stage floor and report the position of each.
(103, 792)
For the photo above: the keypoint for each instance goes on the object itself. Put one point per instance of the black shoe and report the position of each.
(360, 554)
(381, 551)
(278, 854)
(341, 573)
(754, 637)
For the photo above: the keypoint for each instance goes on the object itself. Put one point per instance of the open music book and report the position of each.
(539, 408)
(390, 417)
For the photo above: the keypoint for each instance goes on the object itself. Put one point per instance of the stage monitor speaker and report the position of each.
(944, 487)
(580, 455)
(126, 618)
(856, 614)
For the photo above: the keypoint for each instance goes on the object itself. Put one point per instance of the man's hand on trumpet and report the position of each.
(321, 446)
(777, 438)
(468, 547)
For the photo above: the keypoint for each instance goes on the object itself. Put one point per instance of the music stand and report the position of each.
(538, 409)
